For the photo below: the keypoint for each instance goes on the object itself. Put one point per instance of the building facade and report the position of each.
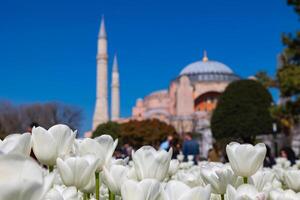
(189, 100)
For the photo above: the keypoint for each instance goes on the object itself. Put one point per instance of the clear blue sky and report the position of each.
(48, 48)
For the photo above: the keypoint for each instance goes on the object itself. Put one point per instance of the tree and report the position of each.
(287, 80)
(242, 111)
(146, 132)
(108, 128)
(16, 119)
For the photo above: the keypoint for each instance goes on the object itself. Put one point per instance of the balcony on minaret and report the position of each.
(102, 56)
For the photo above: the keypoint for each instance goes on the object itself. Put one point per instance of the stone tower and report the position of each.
(101, 108)
(115, 92)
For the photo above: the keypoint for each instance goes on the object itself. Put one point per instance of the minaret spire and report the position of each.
(115, 91)
(101, 108)
(205, 58)
(115, 64)
(102, 32)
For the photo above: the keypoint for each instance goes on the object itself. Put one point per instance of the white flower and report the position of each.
(50, 144)
(90, 187)
(219, 176)
(292, 179)
(149, 163)
(147, 189)
(191, 177)
(17, 144)
(76, 171)
(280, 194)
(245, 159)
(173, 168)
(282, 162)
(101, 147)
(176, 190)
(180, 157)
(244, 192)
(261, 179)
(22, 178)
(114, 177)
(62, 193)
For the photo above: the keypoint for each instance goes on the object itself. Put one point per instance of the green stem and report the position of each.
(111, 195)
(85, 196)
(50, 168)
(97, 185)
(245, 180)
(222, 197)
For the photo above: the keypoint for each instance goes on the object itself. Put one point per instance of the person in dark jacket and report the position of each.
(269, 159)
(190, 147)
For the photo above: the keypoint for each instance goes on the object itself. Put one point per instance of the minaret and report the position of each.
(115, 92)
(101, 109)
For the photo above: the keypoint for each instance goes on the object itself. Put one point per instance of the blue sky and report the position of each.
(48, 48)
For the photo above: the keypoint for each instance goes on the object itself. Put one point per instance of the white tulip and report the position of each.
(76, 171)
(101, 147)
(114, 177)
(186, 165)
(132, 174)
(147, 189)
(244, 192)
(176, 190)
(62, 193)
(17, 144)
(149, 163)
(279, 172)
(261, 179)
(191, 177)
(180, 157)
(245, 159)
(219, 176)
(190, 158)
(50, 144)
(22, 178)
(173, 168)
(280, 194)
(90, 187)
(282, 162)
(292, 179)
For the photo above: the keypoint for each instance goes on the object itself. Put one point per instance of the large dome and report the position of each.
(206, 67)
(207, 70)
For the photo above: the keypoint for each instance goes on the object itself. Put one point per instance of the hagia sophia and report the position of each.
(187, 103)
(190, 97)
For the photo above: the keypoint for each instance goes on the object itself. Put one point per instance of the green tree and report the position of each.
(146, 132)
(108, 128)
(287, 80)
(242, 111)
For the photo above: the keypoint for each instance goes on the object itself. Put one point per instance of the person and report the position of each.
(288, 153)
(167, 143)
(190, 147)
(176, 147)
(269, 159)
(214, 154)
(30, 127)
(126, 150)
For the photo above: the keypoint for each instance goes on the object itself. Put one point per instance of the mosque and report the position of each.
(187, 103)
(191, 97)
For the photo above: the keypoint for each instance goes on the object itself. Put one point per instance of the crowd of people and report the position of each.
(190, 146)
(215, 154)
